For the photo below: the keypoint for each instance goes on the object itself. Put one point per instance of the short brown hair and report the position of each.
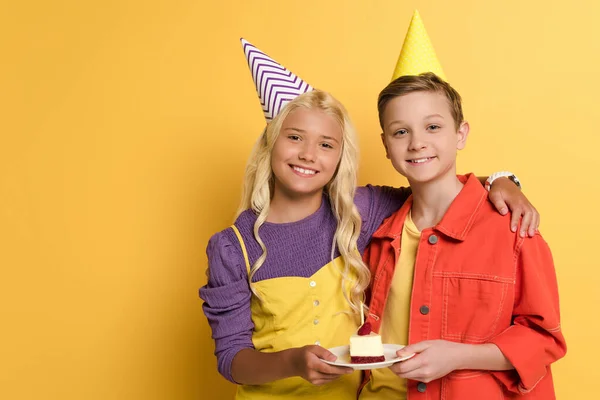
(426, 82)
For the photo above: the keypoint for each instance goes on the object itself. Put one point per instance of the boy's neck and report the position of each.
(432, 199)
(286, 209)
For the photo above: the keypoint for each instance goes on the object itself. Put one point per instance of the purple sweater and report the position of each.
(298, 248)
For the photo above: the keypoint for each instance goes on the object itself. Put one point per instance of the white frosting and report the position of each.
(366, 346)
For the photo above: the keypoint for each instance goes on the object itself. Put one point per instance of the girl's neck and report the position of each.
(285, 208)
(431, 200)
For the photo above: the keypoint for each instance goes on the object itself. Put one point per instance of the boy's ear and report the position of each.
(461, 135)
(387, 154)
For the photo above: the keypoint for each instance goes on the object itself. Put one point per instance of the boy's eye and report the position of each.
(400, 132)
(433, 127)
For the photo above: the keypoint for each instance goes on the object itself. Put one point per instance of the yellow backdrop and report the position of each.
(125, 128)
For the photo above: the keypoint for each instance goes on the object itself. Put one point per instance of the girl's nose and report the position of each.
(307, 153)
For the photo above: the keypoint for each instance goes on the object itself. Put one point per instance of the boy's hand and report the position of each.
(505, 195)
(434, 359)
(308, 364)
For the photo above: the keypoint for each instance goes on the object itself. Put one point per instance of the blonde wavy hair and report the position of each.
(259, 181)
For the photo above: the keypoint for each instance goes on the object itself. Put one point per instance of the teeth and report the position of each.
(420, 160)
(304, 171)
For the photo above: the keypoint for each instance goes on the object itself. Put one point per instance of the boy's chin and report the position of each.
(421, 179)
(425, 179)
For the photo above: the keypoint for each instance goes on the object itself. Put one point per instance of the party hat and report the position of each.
(276, 85)
(417, 55)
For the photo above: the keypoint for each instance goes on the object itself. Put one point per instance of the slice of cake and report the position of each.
(365, 346)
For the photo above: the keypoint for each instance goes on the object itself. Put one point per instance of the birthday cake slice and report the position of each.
(366, 346)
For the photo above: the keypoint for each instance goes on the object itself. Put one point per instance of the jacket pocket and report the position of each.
(473, 307)
(466, 385)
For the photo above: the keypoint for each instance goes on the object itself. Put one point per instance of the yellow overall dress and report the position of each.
(294, 312)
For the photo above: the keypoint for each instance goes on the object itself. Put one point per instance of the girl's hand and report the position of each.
(434, 359)
(308, 364)
(505, 195)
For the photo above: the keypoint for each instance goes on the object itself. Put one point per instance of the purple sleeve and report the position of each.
(376, 203)
(227, 299)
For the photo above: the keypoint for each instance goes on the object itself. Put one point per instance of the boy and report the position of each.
(477, 303)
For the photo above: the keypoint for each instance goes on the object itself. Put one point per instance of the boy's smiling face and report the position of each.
(420, 136)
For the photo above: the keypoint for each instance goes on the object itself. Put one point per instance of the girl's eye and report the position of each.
(327, 146)
(294, 137)
(400, 132)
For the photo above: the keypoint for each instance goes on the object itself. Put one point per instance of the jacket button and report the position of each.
(421, 387)
(432, 239)
(312, 283)
(424, 310)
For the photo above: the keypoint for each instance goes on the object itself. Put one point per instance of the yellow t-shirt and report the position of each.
(384, 384)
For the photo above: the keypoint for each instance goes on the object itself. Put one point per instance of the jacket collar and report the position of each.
(457, 221)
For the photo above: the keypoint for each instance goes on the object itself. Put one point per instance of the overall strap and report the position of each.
(243, 246)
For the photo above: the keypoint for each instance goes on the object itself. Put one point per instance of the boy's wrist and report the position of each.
(484, 356)
(502, 174)
(461, 361)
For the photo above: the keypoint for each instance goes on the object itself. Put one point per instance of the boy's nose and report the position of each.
(417, 142)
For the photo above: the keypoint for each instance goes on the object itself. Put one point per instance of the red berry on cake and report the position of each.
(365, 329)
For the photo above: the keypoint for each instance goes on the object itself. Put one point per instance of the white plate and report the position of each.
(389, 352)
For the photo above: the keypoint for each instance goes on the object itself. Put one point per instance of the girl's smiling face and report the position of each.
(306, 153)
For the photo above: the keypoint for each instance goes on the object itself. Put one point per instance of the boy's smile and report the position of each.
(422, 160)
(420, 136)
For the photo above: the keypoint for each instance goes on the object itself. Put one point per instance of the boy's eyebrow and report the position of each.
(435, 115)
(396, 121)
(399, 121)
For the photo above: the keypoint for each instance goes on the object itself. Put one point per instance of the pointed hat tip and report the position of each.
(283, 86)
(417, 54)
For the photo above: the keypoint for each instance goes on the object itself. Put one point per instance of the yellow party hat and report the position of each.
(417, 55)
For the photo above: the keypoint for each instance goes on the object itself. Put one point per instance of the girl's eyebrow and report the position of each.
(303, 131)
(329, 138)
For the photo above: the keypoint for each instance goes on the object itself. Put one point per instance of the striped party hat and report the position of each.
(276, 85)
(417, 55)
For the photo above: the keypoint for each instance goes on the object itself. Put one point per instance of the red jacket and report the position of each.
(475, 281)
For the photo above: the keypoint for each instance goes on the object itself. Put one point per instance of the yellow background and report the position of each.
(125, 127)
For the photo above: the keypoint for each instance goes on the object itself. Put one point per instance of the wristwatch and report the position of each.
(502, 174)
